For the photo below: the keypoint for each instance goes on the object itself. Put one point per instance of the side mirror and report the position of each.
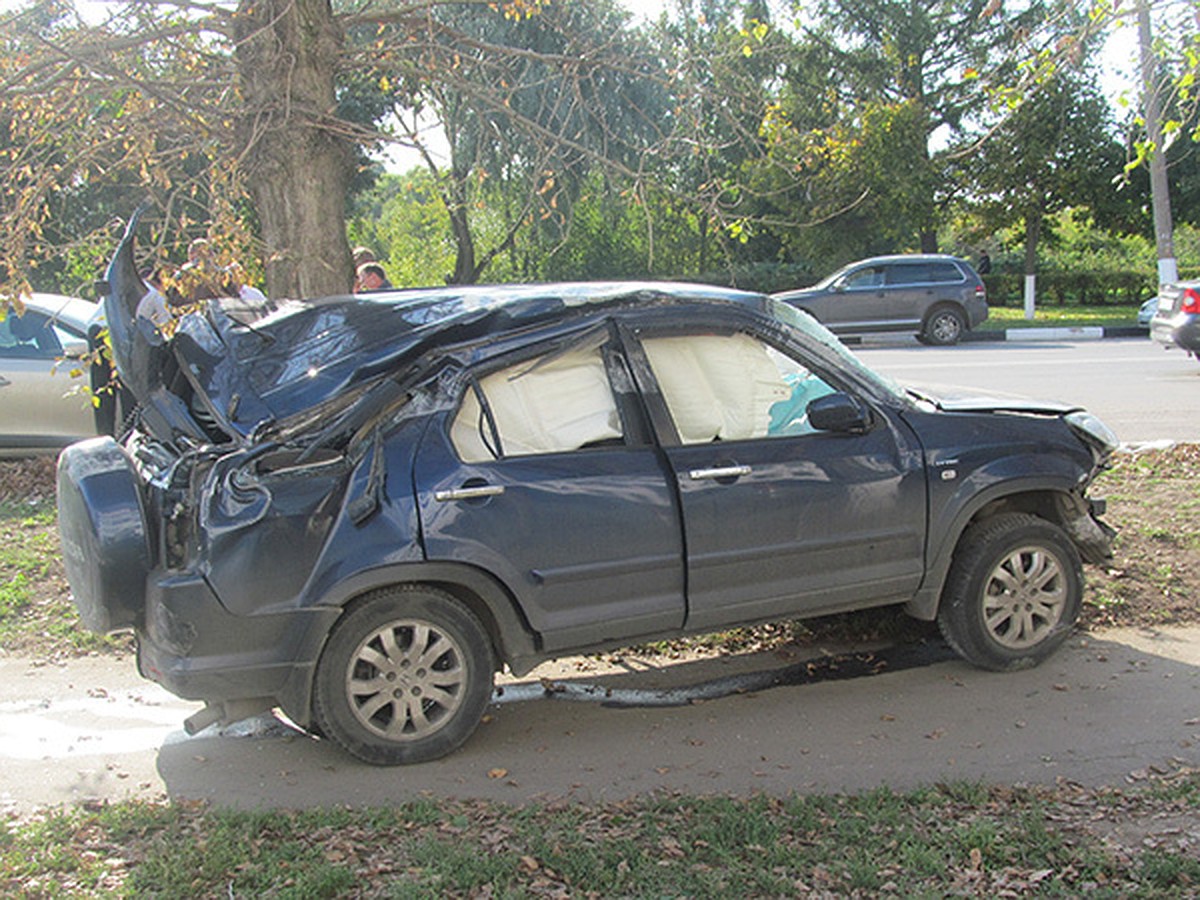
(839, 413)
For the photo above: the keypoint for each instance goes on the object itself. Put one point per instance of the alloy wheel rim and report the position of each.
(945, 327)
(1024, 598)
(406, 680)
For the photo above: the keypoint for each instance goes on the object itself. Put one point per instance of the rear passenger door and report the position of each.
(910, 292)
(544, 476)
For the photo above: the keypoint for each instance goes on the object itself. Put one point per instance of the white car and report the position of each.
(1147, 311)
(42, 407)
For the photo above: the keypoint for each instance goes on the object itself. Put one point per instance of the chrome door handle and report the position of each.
(719, 472)
(469, 493)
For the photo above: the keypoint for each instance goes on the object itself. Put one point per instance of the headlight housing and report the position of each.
(1099, 437)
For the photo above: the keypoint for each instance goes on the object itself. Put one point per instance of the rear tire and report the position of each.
(944, 327)
(1013, 592)
(404, 678)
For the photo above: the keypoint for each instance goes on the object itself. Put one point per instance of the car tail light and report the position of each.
(980, 292)
(1191, 301)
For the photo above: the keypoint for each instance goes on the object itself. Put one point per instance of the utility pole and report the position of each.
(1160, 198)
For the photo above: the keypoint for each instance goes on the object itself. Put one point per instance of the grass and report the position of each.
(945, 840)
(34, 610)
(1001, 317)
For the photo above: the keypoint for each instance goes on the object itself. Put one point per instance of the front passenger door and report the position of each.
(778, 517)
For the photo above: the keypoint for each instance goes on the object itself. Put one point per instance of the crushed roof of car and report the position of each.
(310, 350)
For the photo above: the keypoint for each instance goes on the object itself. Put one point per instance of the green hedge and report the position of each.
(1073, 288)
(767, 278)
(1004, 288)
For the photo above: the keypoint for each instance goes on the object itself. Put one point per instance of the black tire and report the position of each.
(943, 327)
(1013, 592)
(404, 678)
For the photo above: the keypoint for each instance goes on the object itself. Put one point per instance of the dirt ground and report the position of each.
(1154, 580)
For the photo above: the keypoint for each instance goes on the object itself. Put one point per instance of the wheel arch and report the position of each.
(513, 640)
(1054, 500)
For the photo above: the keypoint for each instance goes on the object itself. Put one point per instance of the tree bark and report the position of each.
(1033, 233)
(460, 226)
(297, 162)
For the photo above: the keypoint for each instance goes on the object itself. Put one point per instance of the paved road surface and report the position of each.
(1143, 391)
(1102, 710)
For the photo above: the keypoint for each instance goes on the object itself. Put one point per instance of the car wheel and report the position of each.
(404, 678)
(1013, 592)
(945, 326)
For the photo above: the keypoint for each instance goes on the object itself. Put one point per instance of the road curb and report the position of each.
(1078, 333)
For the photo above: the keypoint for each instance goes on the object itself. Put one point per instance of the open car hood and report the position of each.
(138, 359)
(957, 399)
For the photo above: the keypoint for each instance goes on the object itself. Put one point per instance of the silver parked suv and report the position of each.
(939, 297)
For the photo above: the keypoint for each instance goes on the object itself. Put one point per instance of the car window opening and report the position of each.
(553, 405)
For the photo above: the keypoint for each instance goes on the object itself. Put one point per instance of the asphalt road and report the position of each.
(1143, 391)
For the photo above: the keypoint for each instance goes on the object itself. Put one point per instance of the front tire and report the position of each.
(1013, 592)
(404, 678)
(944, 327)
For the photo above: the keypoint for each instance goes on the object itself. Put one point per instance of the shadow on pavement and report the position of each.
(1097, 711)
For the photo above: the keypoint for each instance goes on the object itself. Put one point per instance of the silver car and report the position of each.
(937, 297)
(1176, 321)
(42, 407)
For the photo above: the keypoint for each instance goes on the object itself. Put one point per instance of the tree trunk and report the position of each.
(460, 227)
(1033, 231)
(298, 166)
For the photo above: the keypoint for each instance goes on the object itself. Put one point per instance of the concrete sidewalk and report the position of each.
(1105, 708)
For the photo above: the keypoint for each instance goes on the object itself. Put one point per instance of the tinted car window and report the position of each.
(552, 404)
(732, 387)
(866, 277)
(944, 272)
(908, 273)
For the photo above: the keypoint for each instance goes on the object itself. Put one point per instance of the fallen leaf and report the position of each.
(497, 773)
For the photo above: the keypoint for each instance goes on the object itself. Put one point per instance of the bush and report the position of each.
(764, 277)
(1073, 288)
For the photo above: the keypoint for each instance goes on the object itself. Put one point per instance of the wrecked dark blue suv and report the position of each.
(359, 508)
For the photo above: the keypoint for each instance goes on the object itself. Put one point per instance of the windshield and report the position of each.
(827, 282)
(810, 327)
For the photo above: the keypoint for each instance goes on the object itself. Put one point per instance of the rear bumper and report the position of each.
(197, 650)
(977, 313)
(1181, 330)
